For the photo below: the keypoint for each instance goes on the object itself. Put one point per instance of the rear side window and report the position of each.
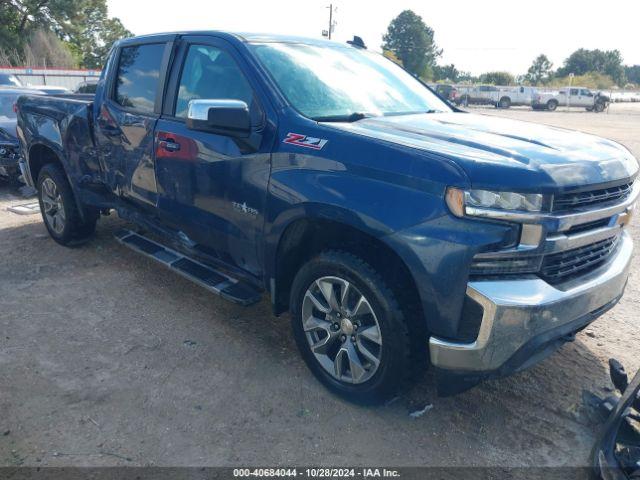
(138, 76)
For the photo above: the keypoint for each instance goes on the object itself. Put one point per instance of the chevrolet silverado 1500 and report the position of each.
(397, 231)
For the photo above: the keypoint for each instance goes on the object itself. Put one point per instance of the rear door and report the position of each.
(574, 97)
(210, 187)
(128, 115)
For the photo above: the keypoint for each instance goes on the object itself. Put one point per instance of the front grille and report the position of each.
(570, 201)
(562, 266)
(584, 227)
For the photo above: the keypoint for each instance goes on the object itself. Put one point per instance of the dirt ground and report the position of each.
(106, 358)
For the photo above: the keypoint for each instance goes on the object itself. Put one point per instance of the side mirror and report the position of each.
(223, 117)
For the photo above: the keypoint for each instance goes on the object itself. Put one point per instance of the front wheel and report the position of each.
(350, 329)
(59, 210)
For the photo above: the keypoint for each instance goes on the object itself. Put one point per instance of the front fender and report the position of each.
(372, 206)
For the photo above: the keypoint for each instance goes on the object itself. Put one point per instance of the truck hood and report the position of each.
(500, 153)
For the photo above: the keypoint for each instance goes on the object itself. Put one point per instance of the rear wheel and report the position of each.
(59, 210)
(349, 328)
(505, 102)
(552, 105)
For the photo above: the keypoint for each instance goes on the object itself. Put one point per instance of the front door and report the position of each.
(210, 187)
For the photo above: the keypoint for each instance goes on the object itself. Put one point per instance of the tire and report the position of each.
(599, 107)
(552, 105)
(342, 335)
(59, 210)
(505, 102)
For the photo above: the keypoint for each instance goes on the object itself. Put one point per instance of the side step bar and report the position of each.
(213, 280)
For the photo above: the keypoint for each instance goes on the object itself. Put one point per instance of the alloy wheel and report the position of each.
(342, 330)
(53, 206)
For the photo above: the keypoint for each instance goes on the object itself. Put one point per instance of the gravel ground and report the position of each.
(109, 359)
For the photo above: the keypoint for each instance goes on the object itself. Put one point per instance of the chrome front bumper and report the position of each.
(517, 311)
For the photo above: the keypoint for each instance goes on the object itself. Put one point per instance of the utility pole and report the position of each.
(327, 33)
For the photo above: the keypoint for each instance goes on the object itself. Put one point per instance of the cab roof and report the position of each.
(240, 36)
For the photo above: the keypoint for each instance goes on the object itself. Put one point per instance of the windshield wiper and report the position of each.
(417, 112)
(352, 117)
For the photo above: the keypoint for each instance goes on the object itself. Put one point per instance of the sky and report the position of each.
(477, 36)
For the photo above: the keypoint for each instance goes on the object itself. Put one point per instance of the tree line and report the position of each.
(61, 33)
(410, 42)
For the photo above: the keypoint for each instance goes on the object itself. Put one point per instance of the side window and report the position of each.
(210, 73)
(574, 91)
(138, 76)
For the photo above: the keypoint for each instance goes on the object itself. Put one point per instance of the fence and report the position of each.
(68, 78)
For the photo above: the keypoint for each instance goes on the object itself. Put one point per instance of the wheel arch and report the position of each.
(41, 154)
(305, 237)
(38, 156)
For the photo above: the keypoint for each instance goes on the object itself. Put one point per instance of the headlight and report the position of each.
(458, 200)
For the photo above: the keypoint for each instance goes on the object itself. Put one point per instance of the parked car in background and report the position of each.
(515, 96)
(571, 97)
(87, 87)
(478, 95)
(499, 96)
(9, 147)
(9, 80)
(397, 231)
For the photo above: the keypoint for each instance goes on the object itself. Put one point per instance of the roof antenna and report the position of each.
(357, 42)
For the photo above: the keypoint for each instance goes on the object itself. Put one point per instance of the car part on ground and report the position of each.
(616, 455)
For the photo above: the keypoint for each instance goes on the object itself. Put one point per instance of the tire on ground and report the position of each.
(396, 368)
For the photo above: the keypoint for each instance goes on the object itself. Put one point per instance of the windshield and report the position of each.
(326, 82)
(10, 80)
(6, 106)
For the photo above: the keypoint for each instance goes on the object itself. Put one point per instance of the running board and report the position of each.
(213, 280)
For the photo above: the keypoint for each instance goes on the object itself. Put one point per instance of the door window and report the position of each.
(210, 73)
(138, 76)
(574, 91)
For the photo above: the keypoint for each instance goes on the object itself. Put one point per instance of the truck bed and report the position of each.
(63, 123)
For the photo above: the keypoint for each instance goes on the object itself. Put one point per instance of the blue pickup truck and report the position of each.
(399, 232)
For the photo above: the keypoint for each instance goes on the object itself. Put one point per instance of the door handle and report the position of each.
(169, 145)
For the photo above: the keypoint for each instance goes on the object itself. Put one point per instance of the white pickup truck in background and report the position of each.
(501, 97)
(570, 97)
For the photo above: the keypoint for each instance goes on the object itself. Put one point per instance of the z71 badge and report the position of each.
(304, 141)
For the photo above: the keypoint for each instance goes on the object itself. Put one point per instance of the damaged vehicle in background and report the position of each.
(616, 455)
(9, 146)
